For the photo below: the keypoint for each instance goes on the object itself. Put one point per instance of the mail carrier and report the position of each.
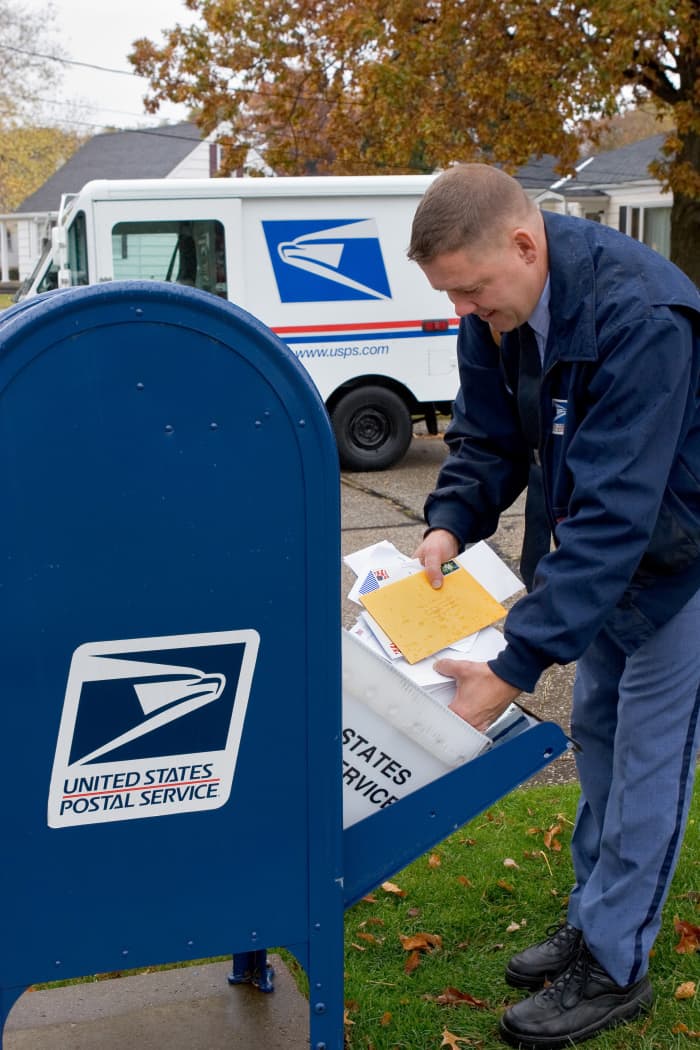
(321, 261)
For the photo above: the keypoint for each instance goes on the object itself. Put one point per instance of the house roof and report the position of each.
(143, 153)
(609, 168)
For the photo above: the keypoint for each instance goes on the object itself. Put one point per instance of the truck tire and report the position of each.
(372, 427)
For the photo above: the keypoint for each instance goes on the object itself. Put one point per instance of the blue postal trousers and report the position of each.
(637, 719)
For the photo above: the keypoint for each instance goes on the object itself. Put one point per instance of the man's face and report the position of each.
(501, 284)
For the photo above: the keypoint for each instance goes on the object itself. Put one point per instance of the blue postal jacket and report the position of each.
(620, 448)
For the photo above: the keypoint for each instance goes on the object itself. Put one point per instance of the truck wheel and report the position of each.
(372, 427)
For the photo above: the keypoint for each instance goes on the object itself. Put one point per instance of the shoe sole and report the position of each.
(624, 1012)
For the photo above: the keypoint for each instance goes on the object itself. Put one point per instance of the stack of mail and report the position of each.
(399, 732)
(382, 564)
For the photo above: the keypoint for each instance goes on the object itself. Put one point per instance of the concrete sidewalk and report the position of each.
(192, 1008)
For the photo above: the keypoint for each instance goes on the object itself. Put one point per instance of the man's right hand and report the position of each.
(437, 547)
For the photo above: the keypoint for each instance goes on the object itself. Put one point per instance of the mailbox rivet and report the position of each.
(320, 1046)
(258, 423)
(139, 386)
(320, 1008)
(302, 422)
(58, 962)
(213, 426)
(317, 925)
(190, 944)
(168, 428)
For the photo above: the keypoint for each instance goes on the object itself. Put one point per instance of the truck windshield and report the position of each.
(77, 258)
(186, 252)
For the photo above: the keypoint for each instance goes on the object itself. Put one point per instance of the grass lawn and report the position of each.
(490, 890)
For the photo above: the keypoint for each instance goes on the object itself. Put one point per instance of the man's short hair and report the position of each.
(466, 205)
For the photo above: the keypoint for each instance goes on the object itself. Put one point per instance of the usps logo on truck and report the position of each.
(151, 726)
(327, 260)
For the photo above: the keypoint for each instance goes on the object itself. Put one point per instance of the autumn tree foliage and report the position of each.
(413, 85)
(25, 76)
(30, 155)
(31, 151)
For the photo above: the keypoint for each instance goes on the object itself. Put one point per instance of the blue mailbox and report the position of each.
(170, 611)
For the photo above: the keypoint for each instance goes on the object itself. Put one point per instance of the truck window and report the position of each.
(77, 258)
(184, 252)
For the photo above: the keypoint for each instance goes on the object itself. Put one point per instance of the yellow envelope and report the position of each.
(421, 620)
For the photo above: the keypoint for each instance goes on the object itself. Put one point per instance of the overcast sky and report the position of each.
(100, 32)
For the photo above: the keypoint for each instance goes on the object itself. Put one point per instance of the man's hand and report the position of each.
(481, 695)
(437, 547)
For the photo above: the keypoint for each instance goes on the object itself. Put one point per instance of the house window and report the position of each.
(657, 230)
(188, 252)
(650, 225)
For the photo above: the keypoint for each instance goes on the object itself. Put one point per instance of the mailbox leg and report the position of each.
(252, 968)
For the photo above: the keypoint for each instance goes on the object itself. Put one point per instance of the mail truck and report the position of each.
(320, 260)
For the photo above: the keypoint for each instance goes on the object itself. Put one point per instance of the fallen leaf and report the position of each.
(375, 921)
(510, 863)
(390, 887)
(550, 838)
(357, 947)
(413, 912)
(369, 937)
(685, 991)
(682, 1029)
(453, 997)
(464, 880)
(422, 942)
(412, 962)
(689, 936)
(369, 899)
(346, 1019)
(385, 1019)
(451, 1040)
(505, 886)
(469, 842)
(513, 927)
(434, 861)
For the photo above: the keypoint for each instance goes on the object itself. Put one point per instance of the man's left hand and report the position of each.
(481, 695)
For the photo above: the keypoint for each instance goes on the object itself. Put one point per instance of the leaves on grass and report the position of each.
(682, 1029)
(505, 886)
(385, 1019)
(513, 927)
(453, 1041)
(686, 990)
(453, 997)
(689, 936)
(391, 887)
(417, 943)
(550, 836)
(464, 880)
(434, 860)
(421, 942)
(510, 863)
(370, 938)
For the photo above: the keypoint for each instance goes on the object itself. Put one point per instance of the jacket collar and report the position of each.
(572, 332)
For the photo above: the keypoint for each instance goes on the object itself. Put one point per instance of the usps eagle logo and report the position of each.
(329, 260)
(150, 726)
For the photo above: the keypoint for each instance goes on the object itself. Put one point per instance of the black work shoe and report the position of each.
(581, 1002)
(546, 960)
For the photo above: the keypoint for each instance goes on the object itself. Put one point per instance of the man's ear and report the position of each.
(526, 244)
